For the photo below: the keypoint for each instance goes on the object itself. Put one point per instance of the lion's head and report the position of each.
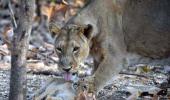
(72, 45)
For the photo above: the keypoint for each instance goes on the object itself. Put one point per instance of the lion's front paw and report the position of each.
(85, 96)
(86, 89)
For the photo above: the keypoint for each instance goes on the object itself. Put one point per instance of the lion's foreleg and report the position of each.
(107, 68)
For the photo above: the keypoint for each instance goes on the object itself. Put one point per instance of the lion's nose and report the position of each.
(67, 69)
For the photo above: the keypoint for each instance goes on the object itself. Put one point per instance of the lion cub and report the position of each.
(58, 88)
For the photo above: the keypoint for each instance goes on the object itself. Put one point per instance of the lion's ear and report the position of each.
(88, 30)
(54, 30)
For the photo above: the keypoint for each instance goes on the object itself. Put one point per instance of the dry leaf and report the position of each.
(79, 3)
(50, 10)
(7, 35)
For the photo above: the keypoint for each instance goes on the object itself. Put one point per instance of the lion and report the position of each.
(111, 37)
(73, 45)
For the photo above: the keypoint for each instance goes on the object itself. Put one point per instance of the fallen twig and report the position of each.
(3, 52)
(46, 73)
(44, 56)
(138, 75)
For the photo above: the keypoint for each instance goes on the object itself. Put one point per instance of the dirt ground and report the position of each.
(151, 85)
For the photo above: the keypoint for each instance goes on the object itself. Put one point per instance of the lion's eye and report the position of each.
(59, 50)
(76, 49)
(85, 87)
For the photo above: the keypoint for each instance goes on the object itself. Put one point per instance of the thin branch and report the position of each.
(12, 14)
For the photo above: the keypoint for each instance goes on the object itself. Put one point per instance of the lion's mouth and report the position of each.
(73, 75)
(67, 76)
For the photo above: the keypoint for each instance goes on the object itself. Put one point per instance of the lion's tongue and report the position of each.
(67, 76)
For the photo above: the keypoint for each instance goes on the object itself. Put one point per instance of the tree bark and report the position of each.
(19, 49)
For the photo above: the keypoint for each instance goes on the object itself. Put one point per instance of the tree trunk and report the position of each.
(19, 49)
